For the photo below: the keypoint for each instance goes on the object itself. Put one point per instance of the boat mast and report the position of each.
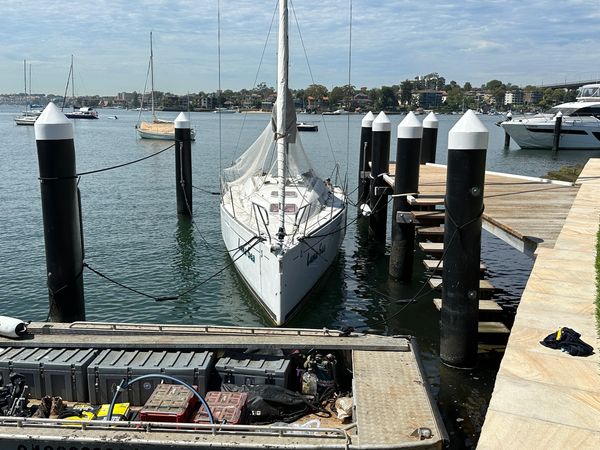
(281, 136)
(152, 75)
(73, 82)
(25, 81)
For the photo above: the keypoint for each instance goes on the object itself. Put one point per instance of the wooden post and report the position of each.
(63, 236)
(406, 180)
(429, 141)
(467, 146)
(506, 135)
(364, 169)
(380, 163)
(556, 135)
(183, 164)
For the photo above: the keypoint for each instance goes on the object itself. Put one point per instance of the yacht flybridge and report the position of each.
(281, 223)
(580, 128)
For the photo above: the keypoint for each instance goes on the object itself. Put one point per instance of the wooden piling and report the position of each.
(63, 234)
(429, 140)
(467, 146)
(556, 134)
(183, 164)
(364, 169)
(380, 161)
(408, 150)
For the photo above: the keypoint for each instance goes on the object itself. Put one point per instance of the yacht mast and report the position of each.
(73, 82)
(281, 136)
(25, 81)
(152, 75)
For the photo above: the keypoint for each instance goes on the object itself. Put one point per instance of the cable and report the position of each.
(123, 385)
(77, 175)
(206, 190)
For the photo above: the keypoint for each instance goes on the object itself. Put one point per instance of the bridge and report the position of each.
(568, 84)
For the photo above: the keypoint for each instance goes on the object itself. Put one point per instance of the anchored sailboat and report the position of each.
(157, 128)
(28, 117)
(282, 224)
(84, 112)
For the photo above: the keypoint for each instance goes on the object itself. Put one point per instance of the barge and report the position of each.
(388, 402)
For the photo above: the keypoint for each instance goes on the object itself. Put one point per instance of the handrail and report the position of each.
(298, 221)
(258, 209)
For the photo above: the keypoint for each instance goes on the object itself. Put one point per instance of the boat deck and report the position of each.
(525, 212)
(393, 405)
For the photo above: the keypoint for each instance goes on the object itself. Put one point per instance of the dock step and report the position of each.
(433, 248)
(484, 285)
(430, 231)
(435, 264)
(425, 201)
(492, 328)
(484, 305)
(429, 216)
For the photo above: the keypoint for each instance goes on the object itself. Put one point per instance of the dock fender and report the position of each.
(12, 328)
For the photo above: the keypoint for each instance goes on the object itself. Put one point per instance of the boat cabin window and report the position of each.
(584, 111)
(588, 91)
(290, 208)
(289, 194)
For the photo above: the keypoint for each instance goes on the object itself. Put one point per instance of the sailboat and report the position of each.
(28, 117)
(157, 128)
(282, 224)
(84, 112)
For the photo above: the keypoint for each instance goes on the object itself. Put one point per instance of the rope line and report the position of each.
(118, 166)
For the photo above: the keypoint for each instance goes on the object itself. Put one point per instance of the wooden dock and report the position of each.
(545, 398)
(526, 212)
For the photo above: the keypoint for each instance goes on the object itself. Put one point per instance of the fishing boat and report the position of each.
(103, 381)
(29, 116)
(282, 224)
(84, 112)
(580, 126)
(157, 128)
(305, 126)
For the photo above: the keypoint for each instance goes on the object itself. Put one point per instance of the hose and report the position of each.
(124, 385)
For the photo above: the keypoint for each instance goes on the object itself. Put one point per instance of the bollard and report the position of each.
(380, 162)
(183, 164)
(429, 141)
(63, 234)
(467, 146)
(506, 135)
(406, 180)
(364, 169)
(556, 134)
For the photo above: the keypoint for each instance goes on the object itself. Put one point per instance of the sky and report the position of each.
(519, 42)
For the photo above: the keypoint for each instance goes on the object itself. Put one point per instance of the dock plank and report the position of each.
(436, 264)
(484, 285)
(484, 305)
(434, 248)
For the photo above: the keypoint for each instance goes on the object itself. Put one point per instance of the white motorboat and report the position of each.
(281, 223)
(580, 127)
(156, 128)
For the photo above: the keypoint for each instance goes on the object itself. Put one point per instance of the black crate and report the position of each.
(250, 368)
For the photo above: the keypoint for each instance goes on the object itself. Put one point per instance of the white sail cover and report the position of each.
(253, 178)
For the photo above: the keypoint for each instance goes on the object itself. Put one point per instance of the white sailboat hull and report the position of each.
(281, 282)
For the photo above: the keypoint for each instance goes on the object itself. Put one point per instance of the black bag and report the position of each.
(271, 403)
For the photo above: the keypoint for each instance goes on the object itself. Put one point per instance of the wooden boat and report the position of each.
(283, 224)
(157, 128)
(391, 406)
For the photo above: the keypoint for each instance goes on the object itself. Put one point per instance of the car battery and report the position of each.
(110, 367)
(226, 407)
(169, 403)
(250, 368)
(50, 371)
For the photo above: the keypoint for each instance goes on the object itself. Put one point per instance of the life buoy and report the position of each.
(11, 327)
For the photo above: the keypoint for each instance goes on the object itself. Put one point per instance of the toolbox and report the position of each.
(110, 367)
(224, 406)
(250, 368)
(169, 403)
(50, 371)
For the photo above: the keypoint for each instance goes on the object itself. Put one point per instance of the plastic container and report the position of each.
(225, 406)
(169, 403)
(242, 368)
(112, 366)
(50, 371)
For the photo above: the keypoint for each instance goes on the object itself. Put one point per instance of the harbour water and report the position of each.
(132, 235)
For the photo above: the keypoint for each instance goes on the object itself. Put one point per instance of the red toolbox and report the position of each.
(225, 406)
(169, 403)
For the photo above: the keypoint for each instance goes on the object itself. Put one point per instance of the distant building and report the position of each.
(513, 98)
(428, 98)
(532, 97)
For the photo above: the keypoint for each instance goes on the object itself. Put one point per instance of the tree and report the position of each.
(386, 99)
(135, 102)
(317, 91)
(467, 87)
(406, 88)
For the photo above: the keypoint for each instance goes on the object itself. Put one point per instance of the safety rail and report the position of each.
(262, 212)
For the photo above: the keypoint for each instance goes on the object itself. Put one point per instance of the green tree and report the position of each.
(135, 102)
(406, 89)
(318, 91)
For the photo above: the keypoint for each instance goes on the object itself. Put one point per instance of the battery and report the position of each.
(169, 403)
(226, 407)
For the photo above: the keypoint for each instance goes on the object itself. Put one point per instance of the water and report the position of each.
(132, 234)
